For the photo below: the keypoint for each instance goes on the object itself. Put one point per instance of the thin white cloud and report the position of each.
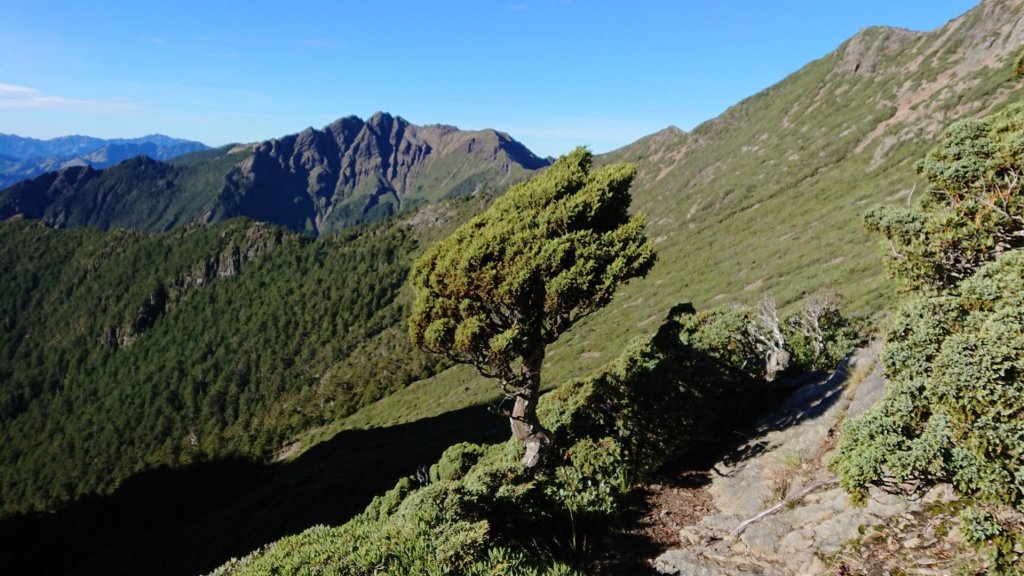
(15, 97)
(15, 90)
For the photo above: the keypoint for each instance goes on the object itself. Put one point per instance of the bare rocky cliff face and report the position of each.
(354, 170)
(316, 181)
(236, 253)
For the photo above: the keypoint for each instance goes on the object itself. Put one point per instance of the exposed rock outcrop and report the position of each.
(352, 170)
(861, 54)
(229, 261)
(778, 509)
(316, 181)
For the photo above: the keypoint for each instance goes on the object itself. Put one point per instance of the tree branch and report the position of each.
(799, 495)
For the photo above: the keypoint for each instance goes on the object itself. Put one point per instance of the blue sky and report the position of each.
(552, 73)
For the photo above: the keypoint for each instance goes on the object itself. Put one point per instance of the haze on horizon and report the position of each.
(552, 73)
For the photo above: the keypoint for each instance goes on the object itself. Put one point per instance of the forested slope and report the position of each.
(123, 351)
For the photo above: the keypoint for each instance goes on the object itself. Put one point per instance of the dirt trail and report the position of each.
(772, 507)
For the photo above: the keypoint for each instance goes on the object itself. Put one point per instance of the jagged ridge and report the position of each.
(315, 181)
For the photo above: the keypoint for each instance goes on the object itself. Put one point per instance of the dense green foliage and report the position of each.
(954, 402)
(549, 252)
(122, 351)
(509, 282)
(954, 407)
(722, 333)
(139, 193)
(955, 398)
(482, 513)
(972, 210)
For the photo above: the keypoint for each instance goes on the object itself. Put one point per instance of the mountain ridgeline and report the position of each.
(315, 182)
(770, 195)
(23, 158)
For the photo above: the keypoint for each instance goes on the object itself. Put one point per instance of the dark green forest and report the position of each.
(124, 351)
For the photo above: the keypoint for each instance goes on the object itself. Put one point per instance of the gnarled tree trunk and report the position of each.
(525, 425)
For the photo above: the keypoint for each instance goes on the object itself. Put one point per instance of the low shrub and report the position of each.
(816, 337)
(971, 212)
(483, 513)
(953, 409)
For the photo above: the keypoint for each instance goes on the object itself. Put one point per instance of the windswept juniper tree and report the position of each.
(506, 284)
(972, 211)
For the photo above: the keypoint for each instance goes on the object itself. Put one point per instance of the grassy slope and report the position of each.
(769, 196)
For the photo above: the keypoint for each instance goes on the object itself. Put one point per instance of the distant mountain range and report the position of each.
(22, 158)
(315, 181)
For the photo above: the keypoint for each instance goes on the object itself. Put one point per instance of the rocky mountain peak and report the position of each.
(314, 181)
(860, 55)
(351, 170)
(384, 121)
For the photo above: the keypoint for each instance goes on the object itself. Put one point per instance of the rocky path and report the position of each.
(811, 523)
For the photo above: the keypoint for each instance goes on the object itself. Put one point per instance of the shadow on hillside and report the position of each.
(646, 531)
(190, 520)
(796, 399)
